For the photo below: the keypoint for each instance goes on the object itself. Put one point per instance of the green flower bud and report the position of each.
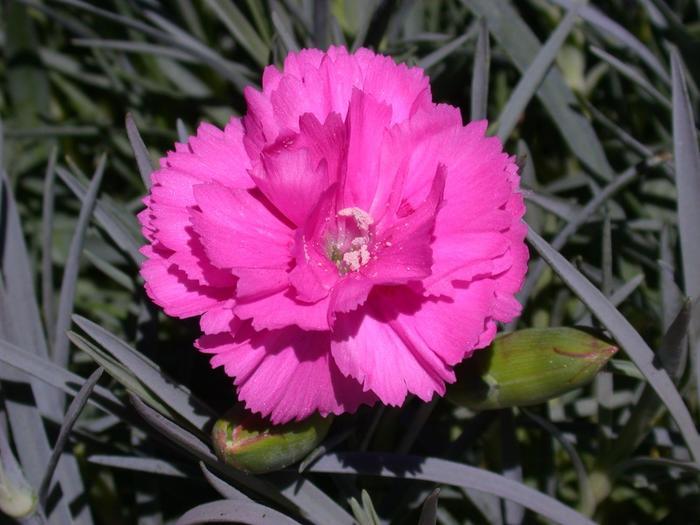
(252, 444)
(17, 497)
(527, 367)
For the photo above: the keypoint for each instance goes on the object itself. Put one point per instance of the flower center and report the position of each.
(348, 248)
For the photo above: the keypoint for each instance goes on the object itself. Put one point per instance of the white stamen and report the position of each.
(356, 258)
(363, 220)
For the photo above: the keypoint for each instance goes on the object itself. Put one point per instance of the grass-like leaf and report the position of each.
(122, 375)
(176, 396)
(227, 490)
(521, 45)
(147, 465)
(511, 465)
(72, 414)
(107, 217)
(47, 217)
(428, 514)
(687, 164)
(615, 31)
(284, 30)
(581, 217)
(143, 161)
(630, 341)
(480, 73)
(240, 28)
(583, 482)
(448, 473)
(135, 47)
(632, 74)
(226, 511)
(535, 74)
(441, 53)
(70, 273)
(57, 377)
(20, 323)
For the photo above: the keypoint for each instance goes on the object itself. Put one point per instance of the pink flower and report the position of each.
(346, 241)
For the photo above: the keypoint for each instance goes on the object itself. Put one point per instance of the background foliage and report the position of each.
(600, 102)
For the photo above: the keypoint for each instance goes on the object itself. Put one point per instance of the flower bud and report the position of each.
(252, 444)
(529, 366)
(17, 497)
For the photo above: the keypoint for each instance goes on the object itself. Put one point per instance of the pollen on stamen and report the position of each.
(363, 220)
(356, 258)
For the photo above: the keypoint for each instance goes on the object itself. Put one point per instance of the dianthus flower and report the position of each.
(346, 241)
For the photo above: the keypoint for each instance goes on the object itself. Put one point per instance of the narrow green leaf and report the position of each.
(232, 510)
(135, 47)
(632, 74)
(227, 490)
(121, 374)
(687, 164)
(143, 160)
(227, 69)
(74, 410)
(140, 464)
(47, 218)
(511, 466)
(618, 33)
(583, 482)
(640, 462)
(633, 344)
(480, 74)
(284, 30)
(534, 75)
(321, 20)
(57, 377)
(108, 217)
(521, 45)
(70, 273)
(111, 271)
(182, 134)
(428, 513)
(233, 19)
(26, 81)
(449, 473)
(171, 392)
(443, 52)
(582, 216)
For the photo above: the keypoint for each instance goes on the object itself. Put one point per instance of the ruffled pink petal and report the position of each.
(290, 180)
(326, 143)
(238, 230)
(218, 319)
(403, 251)
(282, 309)
(314, 275)
(259, 282)
(392, 83)
(350, 293)
(215, 155)
(194, 262)
(370, 345)
(451, 327)
(285, 374)
(464, 256)
(366, 121)
(174, 292)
